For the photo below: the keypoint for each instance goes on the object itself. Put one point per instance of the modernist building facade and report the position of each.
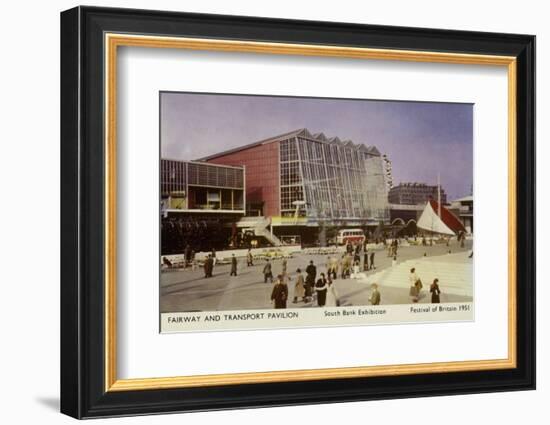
(300, 178)
(198, 187)
(415, 194)
(464, 209)
(200, 204)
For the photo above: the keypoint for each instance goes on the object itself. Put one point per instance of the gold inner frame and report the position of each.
(113, 41)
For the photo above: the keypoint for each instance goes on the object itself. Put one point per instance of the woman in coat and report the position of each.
(434, 289)
(415, 286)
(299, 287)
(321, 288)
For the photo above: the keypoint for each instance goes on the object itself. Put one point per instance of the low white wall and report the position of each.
(239, 253)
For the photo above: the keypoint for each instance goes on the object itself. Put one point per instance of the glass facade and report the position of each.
(331, 179)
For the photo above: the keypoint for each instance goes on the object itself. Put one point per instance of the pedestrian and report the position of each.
(299, 287)
(343, 266)
(321, 288)
(213, 256)
(332, 295)
(356, 269)
(308, 288)
(284, 267)
(311, 271)
(346, 266)
(371, 265)
(366, 261)
(334, 267)
(356, 257)
(211, 267)
(208, 266)
(415, 286)
(193, 261)
(279, 295)
(233, 265)
(374, 298)
(434, 289)
(187, 256)
(268, 274)
(249, 258)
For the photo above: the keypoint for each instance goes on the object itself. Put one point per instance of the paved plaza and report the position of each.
(188, 290)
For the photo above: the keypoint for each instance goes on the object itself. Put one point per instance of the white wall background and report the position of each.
(29, 235)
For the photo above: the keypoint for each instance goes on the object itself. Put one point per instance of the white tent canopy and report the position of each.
(430, 221)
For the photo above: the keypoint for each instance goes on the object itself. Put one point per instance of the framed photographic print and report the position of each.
(261, 212)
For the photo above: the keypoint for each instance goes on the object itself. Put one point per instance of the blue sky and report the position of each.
(421, 139)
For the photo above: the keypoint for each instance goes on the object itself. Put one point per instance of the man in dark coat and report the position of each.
(371, 266)
(279, 295)
(365, 261)
(187, 255)
(268, 274)
(321, 288)
(311, 270)
(311, 273)
(208, 266)
(233, 266)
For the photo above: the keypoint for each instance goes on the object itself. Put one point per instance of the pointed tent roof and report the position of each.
(447, 224)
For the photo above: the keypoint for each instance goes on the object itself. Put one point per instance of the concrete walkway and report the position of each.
(188, 290)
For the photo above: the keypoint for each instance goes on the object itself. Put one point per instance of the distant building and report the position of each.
(464, 209)
(414, 194)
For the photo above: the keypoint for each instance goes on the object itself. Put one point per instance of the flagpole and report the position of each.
(438, 195)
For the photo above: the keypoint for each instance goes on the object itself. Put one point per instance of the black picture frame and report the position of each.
(83, 392)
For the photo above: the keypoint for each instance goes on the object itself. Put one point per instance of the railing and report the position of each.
(226, 207)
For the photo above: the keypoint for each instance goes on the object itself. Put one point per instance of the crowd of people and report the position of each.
(311, 288)
(318, 288)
